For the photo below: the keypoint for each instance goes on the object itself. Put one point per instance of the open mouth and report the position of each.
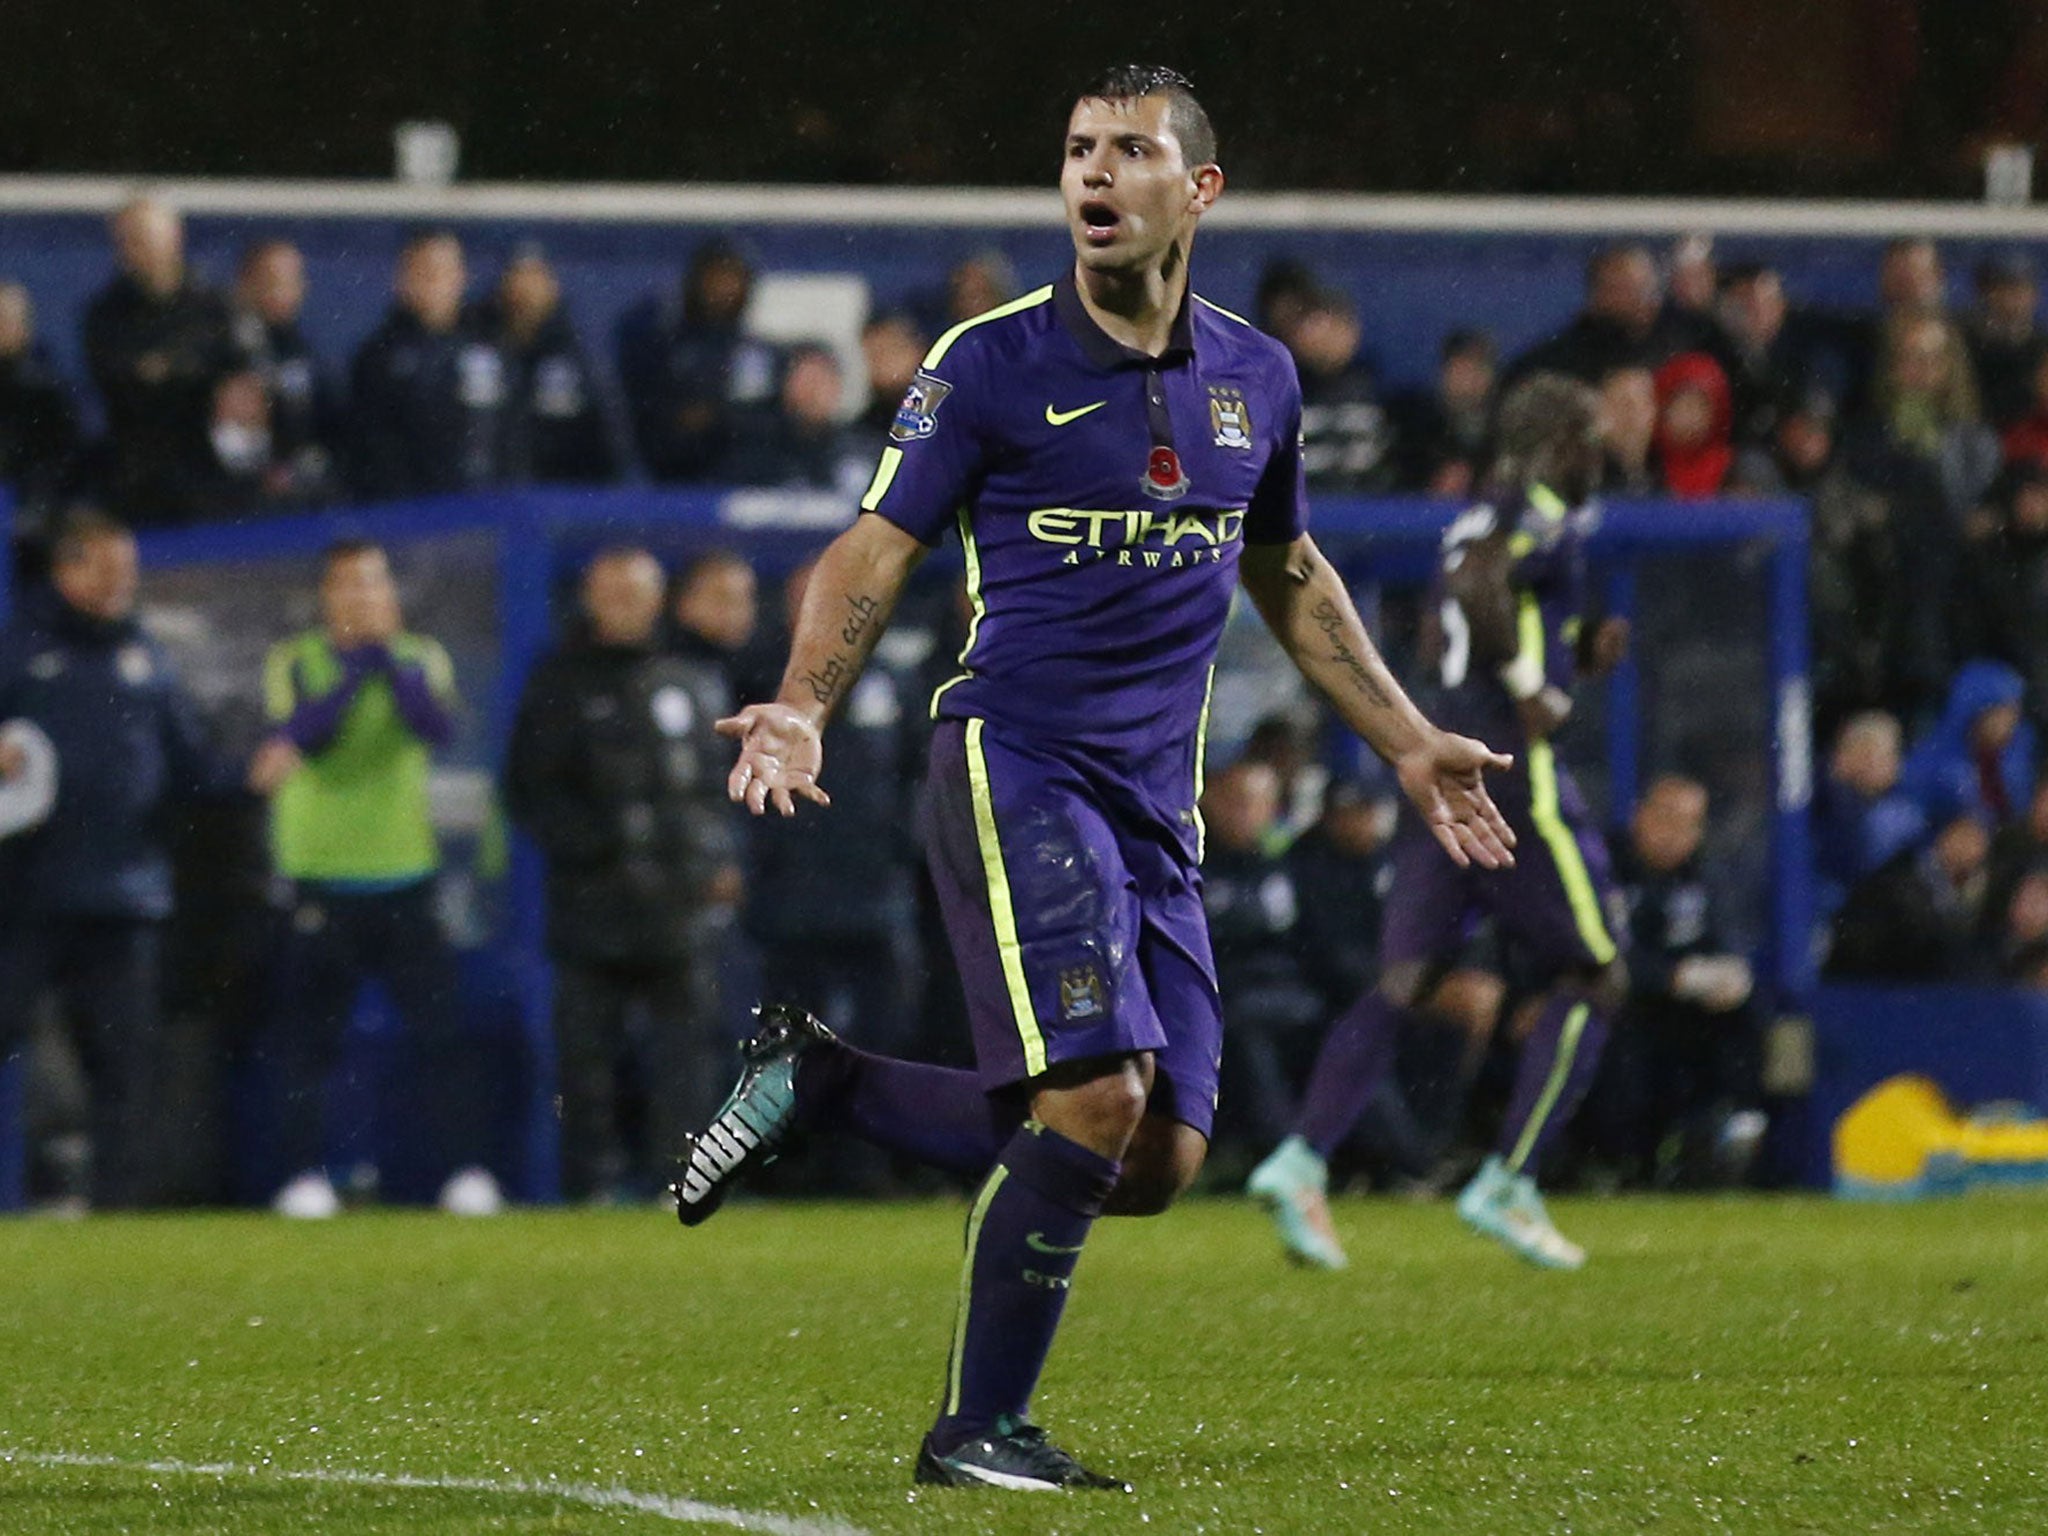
(1099, 221)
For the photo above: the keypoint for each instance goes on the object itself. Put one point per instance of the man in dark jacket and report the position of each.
(1623, 321)
(38, 425)
(304, 415)
(570, 432)
(616, 772)
(691, 374)
(89, 888)
(430, 402)
(1676, 1101)
(158, 342)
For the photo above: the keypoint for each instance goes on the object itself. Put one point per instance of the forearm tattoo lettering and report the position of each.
(828, 680)
(1331, 621)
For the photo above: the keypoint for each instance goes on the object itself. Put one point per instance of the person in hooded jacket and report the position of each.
(1980, 757)
(1695, 426)
(616, 773)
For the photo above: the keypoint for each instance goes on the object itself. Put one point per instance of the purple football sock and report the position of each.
(934, 1115)
(1024, 1235)
(1356, 1055)
(1556, 1068)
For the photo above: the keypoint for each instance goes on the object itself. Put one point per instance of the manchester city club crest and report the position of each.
(1081, 993)
(917, 416)
(1230, 417)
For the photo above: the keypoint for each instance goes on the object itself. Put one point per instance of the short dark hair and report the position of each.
(78, 529)
(1184, 114)
(1467, 341)
(260, 247)
(348, 549)
(717, 558)
(1615, 251)
(427, 234)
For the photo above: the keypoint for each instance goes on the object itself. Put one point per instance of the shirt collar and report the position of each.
(1104, 350)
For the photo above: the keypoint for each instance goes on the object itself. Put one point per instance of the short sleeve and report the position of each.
(280, 688)
(935, 456)
(1278, 513)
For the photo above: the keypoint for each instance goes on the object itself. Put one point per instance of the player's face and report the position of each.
(359, 600)
(1131, 196)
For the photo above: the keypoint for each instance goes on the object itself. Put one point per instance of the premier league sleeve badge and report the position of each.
(917, 416)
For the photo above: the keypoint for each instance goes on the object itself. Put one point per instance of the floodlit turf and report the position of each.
(1770, 1366)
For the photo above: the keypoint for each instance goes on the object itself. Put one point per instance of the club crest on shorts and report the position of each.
(1081, 993)
(917, 416)
(1230, 417)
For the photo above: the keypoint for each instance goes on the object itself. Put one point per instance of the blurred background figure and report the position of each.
(1622, 321)
(975, 285)
(1980, 758)
(1756, 347)
(1926, 415)
(615, 772)
(1347, 443)
(1676, 1104)
(567, 422)
(1861, 820)
(804, 444)
(89, 887)
(715, 614)
(304, 408)
(690, 370)
(430, 401)
(892, 345)
(158, 341)
(1442, 434)
(2001, 610)
(835, 918)
(1695, 427)
(38, 418)
(1918, 917)
(2006, 342)
(361, 705)
(1628, 412)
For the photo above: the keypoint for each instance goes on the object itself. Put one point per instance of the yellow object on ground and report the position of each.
(1903, 1141)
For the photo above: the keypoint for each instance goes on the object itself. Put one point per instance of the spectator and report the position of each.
(430, 398)
(89, 888)
(1287, 285)
(1916, 918)
(1628, 412)
(1282, 745)
(1253, 908)
(1691, 282)
(1341, 864)
(804, 445)
(38, 422)
(716, 611)
(1926, 410)
(363, 705)
(2026, 439)
(1442, 435)
(246, 469)
(1767, 371)
(2002, 606)
(892, 346)
(1346, 442)
(1861, 820)
(1911, 280)
(568, 430)
(1695, 422)
(2025, 918)
(1677, 1099)
(1979, 758)
(2006, 343)
(1622, 321)
(158, 342)
(974, 286)
(846, 957)
(2017, 849)
(614, 770)
(1797, 455)
(304, 415)
(690, 369)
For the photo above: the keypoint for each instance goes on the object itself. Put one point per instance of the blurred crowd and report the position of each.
(1917, 435)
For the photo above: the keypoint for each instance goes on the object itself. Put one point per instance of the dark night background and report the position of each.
(1877, 97)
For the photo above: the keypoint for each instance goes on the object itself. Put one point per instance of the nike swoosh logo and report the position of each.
(1036, 1240)
(1061, 418)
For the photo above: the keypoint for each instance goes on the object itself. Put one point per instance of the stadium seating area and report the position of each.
(272, 369)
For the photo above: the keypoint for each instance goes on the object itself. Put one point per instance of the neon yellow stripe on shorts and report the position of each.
(1564, 852)
(1560, 1072)
(1005, 915)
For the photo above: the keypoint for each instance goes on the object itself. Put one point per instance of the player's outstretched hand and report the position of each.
(780, 758)
(1445, 777)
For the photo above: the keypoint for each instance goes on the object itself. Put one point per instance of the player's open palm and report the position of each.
(1446, 779)
(781, 756)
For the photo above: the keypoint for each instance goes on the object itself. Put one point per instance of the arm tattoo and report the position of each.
(828, 680)
(1331, 621)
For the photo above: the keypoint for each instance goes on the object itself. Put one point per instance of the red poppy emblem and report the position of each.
(1163, 475)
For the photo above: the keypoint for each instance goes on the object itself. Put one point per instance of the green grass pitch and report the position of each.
(1763, 1365)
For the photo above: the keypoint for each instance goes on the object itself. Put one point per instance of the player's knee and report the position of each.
(1469, 999)
(1160, 1166)
(1098, 1104)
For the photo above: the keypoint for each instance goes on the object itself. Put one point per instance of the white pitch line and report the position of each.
(682, 1511)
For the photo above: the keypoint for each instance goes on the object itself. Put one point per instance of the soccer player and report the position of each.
(1120, 455)
(1511, 585)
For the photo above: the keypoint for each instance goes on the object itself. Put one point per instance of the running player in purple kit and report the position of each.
(1512, 590)
(1119, 455)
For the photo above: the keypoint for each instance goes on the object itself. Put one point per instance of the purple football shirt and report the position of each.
(1103, 497)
